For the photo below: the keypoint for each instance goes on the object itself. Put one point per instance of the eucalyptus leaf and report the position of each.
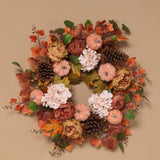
(115, 25)
(130, 115)
(125, 28)
(127, 98)
(68, 23)
(16, 64)
(114, 37)
(59, 30)
(67, 38)
(88, 22)
(120, 136)
(121, 146)
(74, 59)
(33, 106)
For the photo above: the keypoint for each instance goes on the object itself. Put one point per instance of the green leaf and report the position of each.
(74, 59)
(127, 98)
(125, 28)
(59, 30)
(121, 147)
(42, 108)
(76, 69)
(56, 137)
(67, 38)
(68, 23)
(33, 106)
(115, 37)
(130, 115)
(140, 91)
(88, 22)
(120, 136)
(90, 78)
(99, 86)
(63, 144)
(16, 64)
(115, 25)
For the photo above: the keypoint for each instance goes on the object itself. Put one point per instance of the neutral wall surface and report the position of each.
(16, 20)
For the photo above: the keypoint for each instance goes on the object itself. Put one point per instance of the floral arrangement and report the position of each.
(76, 53)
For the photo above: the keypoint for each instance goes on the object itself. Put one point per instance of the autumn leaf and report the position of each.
(55, 127)
(33, 38)
(12, 100)
(79, 141)
(26, 110)
(64, 80)
(76, 69)
(74, 78)
(25, 92)
(40, 32)
(23, 79)
(99, 86)
(125, 122)
(127, 132)
(33, 62)
(35, 51)
(90, 78)
(95, 142)
(69, 147)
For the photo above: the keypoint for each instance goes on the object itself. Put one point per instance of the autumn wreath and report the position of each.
(71, 55)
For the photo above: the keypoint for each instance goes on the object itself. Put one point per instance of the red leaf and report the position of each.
(110, 142)
(41, 123)
(127, 132)
(95, 142)
(18, 108)
(35, 51)
(125, 122)
(114, 129)
(12, 100)
(26, 110)
(40, 32)
(33, 38)
(23, 78)
(34, 62)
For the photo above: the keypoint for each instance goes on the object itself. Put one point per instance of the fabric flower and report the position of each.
(118, 101)
(62, 68)
(65, 111)
(57, 51)
(101, 103)
(107, 72)
(122, 79)
(56, 95)
(82, 112)
(76, 46)
(89, 59)
(72, 129)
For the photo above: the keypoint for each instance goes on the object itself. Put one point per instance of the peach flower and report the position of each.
(107, 72)
(61, 68)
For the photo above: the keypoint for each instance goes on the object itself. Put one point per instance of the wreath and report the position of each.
(71, 55)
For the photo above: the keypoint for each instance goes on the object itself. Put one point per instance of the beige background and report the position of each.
(16, 20)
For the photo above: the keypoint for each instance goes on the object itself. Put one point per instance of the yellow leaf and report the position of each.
(76, 69)
(74, 78)
(99, 86)
(64, 80)
(90, 78)
(48, 127)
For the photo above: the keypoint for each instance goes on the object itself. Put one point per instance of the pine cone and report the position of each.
(113, 56)
(45, 71)
(94, 126)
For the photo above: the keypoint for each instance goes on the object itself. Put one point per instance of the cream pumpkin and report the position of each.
(36, 96)
(114, 117)
(94, 41)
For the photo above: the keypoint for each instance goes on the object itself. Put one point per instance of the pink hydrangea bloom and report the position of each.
(62, 68)
(107, 72)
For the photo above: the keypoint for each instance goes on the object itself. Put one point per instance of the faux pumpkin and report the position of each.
(114, 117)
(94, 41)
(82, 112)
(36, 96)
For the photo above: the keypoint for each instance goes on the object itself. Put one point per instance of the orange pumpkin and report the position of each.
(36, 96)
(94, 41)
(114, 117)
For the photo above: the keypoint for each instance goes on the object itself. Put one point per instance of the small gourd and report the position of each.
(114, 117)
(82, 112)
(36, 96)
(94, 41)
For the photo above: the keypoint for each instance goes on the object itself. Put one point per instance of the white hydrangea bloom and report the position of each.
(56, 95)
(101, 103)
(89, 59)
